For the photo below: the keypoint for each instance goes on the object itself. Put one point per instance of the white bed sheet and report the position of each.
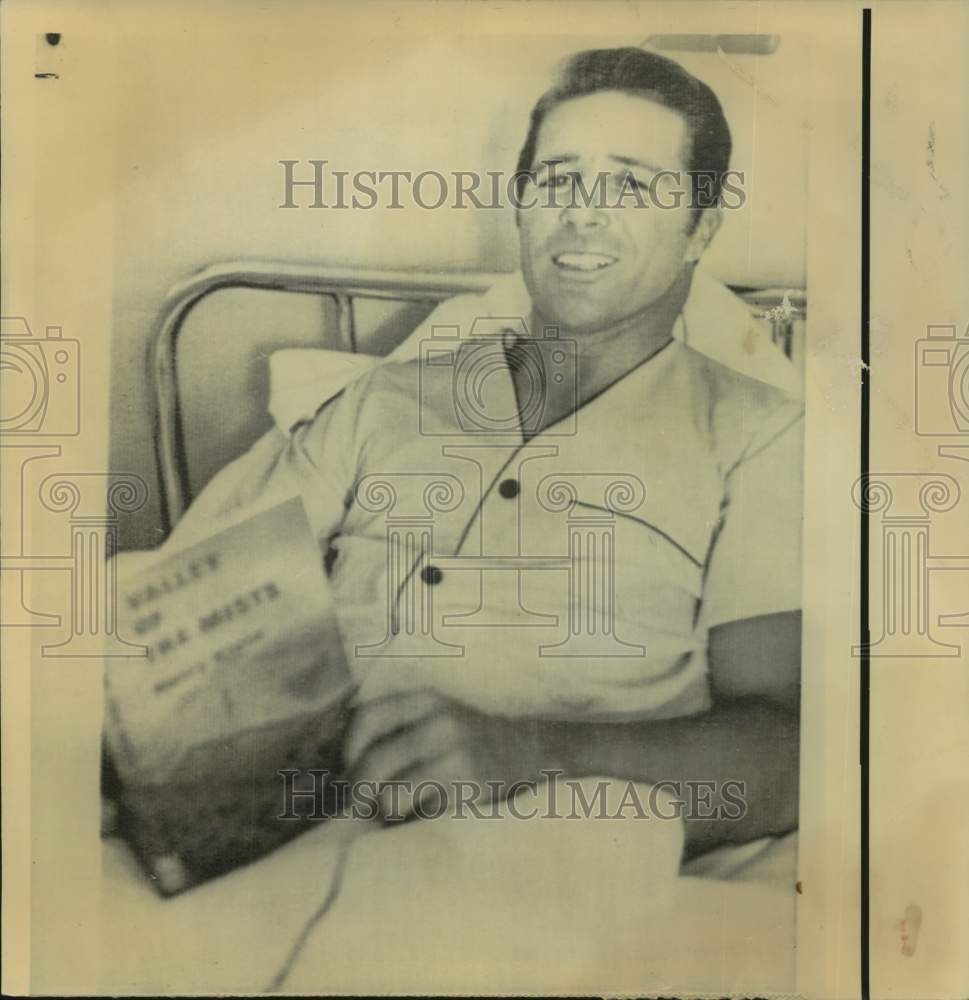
(448, 906)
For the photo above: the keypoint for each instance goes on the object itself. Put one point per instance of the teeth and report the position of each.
(584, 261)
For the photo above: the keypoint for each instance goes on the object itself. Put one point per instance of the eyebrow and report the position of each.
(626, 161)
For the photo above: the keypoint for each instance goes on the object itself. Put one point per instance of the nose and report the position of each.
(581, 213)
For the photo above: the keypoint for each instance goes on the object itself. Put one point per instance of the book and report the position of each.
(243, 676)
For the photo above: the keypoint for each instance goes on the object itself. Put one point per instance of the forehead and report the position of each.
(616, 124)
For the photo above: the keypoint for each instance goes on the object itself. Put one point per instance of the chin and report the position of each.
(573, 313)
(578, 323)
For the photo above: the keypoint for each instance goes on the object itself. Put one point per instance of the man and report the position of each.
(573, 544)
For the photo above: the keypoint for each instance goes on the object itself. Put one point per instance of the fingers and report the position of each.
(378, 719)
(425, 789)
(404, 749)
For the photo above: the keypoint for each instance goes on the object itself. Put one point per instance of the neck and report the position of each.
(610, 351)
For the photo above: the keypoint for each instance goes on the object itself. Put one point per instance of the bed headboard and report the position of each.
(342, 290)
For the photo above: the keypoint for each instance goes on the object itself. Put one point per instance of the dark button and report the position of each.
(431, 575)
(509, 488)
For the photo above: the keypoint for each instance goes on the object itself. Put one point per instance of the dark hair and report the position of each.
(653, 77)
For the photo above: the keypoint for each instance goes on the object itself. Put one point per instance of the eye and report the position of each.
(553, 180)
(634, 182)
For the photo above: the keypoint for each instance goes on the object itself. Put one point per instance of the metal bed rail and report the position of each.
(343, 286)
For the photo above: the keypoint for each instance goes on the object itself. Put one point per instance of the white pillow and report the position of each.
(302, 380)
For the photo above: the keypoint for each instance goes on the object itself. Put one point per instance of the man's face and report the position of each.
(591, 268)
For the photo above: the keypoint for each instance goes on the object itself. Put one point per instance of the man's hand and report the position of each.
(419, 736)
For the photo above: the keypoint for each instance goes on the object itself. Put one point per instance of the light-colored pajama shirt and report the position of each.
(574, 575)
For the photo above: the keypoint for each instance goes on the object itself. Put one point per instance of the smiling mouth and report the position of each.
(583, 261)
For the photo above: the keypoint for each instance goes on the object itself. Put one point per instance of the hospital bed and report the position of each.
(334, 911)
(185, 463)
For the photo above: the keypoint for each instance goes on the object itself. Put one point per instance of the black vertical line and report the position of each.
(865, 678)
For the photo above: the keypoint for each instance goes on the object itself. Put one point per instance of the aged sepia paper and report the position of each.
(694, 705)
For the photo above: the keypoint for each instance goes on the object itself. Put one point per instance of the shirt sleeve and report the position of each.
(754, 564)
(323, 456)
(317, 460)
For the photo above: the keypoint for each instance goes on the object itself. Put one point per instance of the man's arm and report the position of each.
(751, 743)
(750, 735)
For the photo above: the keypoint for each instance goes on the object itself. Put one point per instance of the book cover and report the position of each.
(243, 676)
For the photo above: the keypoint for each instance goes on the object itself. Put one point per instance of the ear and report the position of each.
(710, 220)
